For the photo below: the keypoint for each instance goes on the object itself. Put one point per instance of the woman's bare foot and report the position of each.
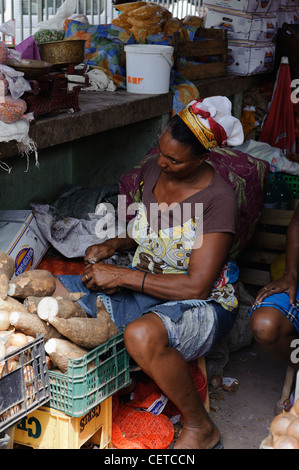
(197, 437)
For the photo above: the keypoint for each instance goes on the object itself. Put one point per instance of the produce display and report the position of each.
(4, 53)
(11, 109)
(142, 19)
(284, 430)
(48, 35)
(27, 308)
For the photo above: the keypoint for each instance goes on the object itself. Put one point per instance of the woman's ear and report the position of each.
(202, 158)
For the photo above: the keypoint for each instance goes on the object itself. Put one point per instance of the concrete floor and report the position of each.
(244, 416)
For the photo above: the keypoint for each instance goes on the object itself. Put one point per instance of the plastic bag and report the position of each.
(67, 9)
(16, 81)
(8, 28)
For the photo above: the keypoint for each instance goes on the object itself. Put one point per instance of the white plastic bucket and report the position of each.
(148, 68)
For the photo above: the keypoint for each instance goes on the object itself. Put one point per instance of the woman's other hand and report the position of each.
(287, 284)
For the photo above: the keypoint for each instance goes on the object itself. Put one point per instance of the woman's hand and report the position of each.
(287, 284)
(102, 276)
(96, 253)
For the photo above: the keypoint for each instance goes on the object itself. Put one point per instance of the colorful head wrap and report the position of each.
(211, 122)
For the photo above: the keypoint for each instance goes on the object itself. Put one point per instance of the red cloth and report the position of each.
(279, 127)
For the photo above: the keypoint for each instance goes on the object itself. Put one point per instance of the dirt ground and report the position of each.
(244, 416)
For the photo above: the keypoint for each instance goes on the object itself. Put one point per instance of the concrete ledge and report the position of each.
(99, 112)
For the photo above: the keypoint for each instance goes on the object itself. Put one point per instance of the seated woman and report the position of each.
(179, 296)
(275, 313)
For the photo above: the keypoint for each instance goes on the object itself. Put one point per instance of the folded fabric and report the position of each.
(99, 81)
(274, 156)
(28, 49)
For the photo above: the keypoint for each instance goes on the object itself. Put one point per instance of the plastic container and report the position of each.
(270, 193)
(47, 428)
(148, 68)
(285, 197)
(293, 181)
(25, 388)
(91, 379)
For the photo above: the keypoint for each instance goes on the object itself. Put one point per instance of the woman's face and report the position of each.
(176, 159)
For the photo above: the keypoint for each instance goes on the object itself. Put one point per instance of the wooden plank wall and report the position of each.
(267, 243)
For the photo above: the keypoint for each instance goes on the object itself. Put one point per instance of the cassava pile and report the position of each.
(28, 308)
(284, 430)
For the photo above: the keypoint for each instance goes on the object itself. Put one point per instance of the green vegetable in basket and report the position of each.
(48, 35)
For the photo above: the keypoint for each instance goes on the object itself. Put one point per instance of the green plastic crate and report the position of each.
(91, 379)
(293, 181)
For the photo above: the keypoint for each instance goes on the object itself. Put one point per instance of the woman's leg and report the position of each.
(146, 341)
(274, 332)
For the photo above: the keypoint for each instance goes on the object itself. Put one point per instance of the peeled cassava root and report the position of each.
(31, 302)
(87, 332)
(7, 270)
(59, 350)
(31, 324)
(37, 282)
(52, 307)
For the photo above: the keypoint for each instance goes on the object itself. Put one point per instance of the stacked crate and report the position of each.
(251, 27)
(79, 407)
(208, 43)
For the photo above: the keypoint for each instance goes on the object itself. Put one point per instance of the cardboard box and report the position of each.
(250, 58)
(21, 238)
(249, 6)
(288, 15)
(288, 4)
(243, 26)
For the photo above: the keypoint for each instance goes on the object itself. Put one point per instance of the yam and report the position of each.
(88, 333)
(10, 304)
(59, 350)
(4, 320)
(37, 282)
(72, 296)
(31, 324)
(31, 302)
(104, 317)
(51, 306)
(7, 270)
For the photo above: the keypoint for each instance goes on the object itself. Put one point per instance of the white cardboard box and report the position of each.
(288, 15)
(243, 26)
(249, 6)
(249, 58)
(21, 238)
(288, 4)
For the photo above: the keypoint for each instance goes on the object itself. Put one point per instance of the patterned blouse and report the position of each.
(165, 238)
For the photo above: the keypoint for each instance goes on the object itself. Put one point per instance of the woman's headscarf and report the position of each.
(212, 123)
